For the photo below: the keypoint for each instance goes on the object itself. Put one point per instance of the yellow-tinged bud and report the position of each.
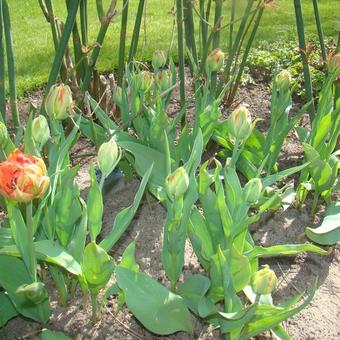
(164, 80)
(283, 79)
(58, 103)
(117, 95)
(108, 157)
(215, 60)
(177, 183)
(239, 124)
(264, 281)
(3, 134)
(40, 130)
(334, 63)
(252, 190)
(158, 59)
(35, 292)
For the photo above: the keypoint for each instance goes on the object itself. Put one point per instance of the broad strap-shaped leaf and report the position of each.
(158, 309)
(13, 274)
(329, 231)
(124, 218)
(7, 310)
(285, 249)
(49, 251)
(46, 334)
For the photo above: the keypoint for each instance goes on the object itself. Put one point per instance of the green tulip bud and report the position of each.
(239, 124)
(264, 281)
(108, 157)
(3, 134)
(252, 190)
(334, 63)
(283, 80)
(144, 80)
(35, 292)
(97, 267)
(40, 130)
(215, 60)
(164, 80)
(58, 103)
(177, 183)
(158, 59)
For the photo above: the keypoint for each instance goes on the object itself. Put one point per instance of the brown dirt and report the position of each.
(320, 320)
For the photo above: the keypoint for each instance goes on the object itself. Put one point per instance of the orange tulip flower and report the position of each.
(23, 177)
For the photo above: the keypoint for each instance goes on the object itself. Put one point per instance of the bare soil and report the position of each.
(320, 320)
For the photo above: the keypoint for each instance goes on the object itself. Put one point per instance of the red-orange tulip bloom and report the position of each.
(23, 177)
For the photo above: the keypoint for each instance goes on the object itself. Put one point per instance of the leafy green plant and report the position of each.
(319, 144)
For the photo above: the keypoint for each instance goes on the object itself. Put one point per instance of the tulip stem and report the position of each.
(30, 242)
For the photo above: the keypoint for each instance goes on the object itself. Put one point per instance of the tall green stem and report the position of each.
(122, 41)
(30, 242)
(136, 30)
(180, 40)
(10, 63)
(302, 45)
(320, 32)
(2, 72)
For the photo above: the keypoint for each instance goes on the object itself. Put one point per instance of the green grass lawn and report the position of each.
(34, 50)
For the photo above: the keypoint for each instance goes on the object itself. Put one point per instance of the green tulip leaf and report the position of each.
(7, 310)
(159, 310)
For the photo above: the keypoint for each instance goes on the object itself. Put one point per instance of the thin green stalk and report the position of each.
(180, 41)
(302, 45)
(51, 20)
(10, 64)
(245, 56)
(83, 22)
(337, 86)
(58, 59)
(192, 31)
(231, 27)
(122, 42)
(105, 22)
(136, 30)
(320, 32)
(2, 72)
(30, 242)
(235, 47)
(94, 307)
(203, 26)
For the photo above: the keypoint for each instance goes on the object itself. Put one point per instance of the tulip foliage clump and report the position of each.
(212, 169)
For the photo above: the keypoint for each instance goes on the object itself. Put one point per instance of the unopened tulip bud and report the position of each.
(334, 63)
(264, 281)
(144, 80)
(215, 60)
(158, 59)
(40, 130)
(58, 103)
(35, 292)
(108, 157)
(164, 80)
(239, 124)
(283, 79)
(177, 183)
(3, 134)
(252, 190)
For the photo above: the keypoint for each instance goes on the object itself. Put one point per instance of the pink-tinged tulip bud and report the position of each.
(239, 124)
(58, 103)
(35, 292)
(23, 177)
(164, 80)
(334, 63)
(283, 80)
(215, 60)
(264, 281)
(108, 157)
(252, 190)
(158, 59)
(3, 134)
(144, 80)
(177, 183)
(40, 130)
